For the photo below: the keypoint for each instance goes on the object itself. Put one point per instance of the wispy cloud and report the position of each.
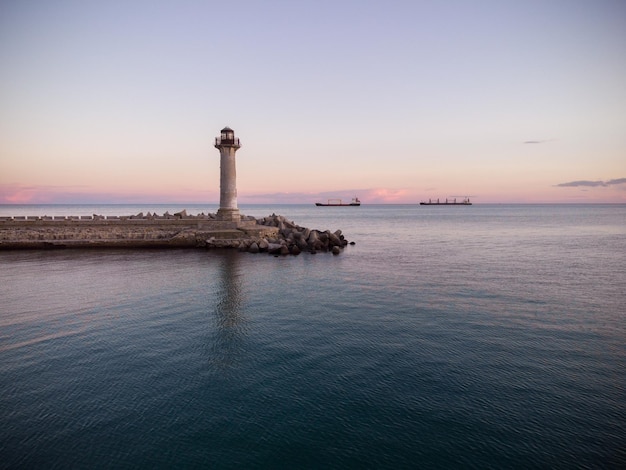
(592, 184)
(538, 141)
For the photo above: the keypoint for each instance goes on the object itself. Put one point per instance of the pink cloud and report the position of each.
(17, 194)
(367, 196)
(23, 195)
(388, 196)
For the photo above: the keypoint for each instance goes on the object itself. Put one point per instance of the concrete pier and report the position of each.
(273, 234)
(168, 230)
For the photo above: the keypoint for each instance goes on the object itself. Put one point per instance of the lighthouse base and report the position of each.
(231, 215)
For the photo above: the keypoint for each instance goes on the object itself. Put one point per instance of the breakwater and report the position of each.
(273, 234)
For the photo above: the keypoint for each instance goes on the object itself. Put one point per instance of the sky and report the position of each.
(504, 101)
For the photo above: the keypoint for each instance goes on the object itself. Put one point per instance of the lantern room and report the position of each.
(227, 139)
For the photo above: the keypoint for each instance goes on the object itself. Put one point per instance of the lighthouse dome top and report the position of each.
(226, 129)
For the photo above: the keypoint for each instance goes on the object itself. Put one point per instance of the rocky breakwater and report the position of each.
(290, 239)
(273, 234)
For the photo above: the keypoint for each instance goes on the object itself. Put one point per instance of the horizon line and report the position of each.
(275, 203)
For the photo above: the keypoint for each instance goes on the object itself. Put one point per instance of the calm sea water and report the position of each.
(490, 336)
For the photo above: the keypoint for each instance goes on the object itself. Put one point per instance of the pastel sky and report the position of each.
(392, 101)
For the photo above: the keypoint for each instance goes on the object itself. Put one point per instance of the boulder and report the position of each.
(253, 248)
(290, 225)
(334, 240)
(295, 250)
(274, 248)
(324, 236)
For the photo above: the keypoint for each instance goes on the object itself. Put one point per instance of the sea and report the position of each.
(483, 336)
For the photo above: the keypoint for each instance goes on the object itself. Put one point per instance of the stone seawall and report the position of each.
(273, 234)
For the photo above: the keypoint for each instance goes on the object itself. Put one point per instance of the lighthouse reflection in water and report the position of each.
(230, 323)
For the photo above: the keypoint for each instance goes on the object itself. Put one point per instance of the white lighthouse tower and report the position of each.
(228, 144)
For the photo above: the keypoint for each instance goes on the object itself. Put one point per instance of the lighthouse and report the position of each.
(228, 144)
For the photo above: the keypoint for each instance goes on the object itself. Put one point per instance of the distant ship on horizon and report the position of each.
(338, 203)
(464, 202)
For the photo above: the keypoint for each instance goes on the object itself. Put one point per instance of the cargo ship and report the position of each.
(453, 202)
(339, 203)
